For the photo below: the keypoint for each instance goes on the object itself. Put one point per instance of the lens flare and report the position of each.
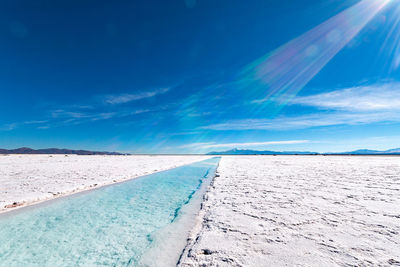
(391, 45)
(274, 79)
(285, 71)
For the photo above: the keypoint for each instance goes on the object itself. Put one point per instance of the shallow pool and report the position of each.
(125, 224)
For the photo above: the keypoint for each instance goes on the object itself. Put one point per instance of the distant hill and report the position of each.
(27, 150)
(236, 151)
(395, 151)
(361, 152)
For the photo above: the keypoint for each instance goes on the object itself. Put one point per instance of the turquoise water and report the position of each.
(111, 226)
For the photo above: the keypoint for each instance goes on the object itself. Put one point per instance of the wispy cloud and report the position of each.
(73, 116)
(306, 121)
(8, 127)
(63, 117)
(103, 116)
(376, 97)
(14, 125)
(125, 98)
(349, 106)
(60, 113)
(98, 108)
(43, 127)
(34, 122)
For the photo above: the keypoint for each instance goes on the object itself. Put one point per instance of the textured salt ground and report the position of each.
(300, 210)
(27, 179)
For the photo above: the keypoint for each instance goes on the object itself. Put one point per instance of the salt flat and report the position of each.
(27, 179)
(300, 210)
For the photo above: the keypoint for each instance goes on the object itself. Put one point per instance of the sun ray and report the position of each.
(391, 45)
(281, 74)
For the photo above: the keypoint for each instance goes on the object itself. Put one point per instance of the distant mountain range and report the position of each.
(27, 150)
(236, 151)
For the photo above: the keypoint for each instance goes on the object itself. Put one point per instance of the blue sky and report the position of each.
(193, 76)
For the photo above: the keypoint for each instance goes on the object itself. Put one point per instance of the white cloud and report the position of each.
(125, 98)
(377, 97)
(80, 113)
(103, 116)
(307, 121)
(65, 117)
(350, 106)
(43, 127)
(14, 125)
(8, 127)
(60, 113)
(34, 122)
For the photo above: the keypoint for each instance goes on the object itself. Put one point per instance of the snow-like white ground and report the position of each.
(27, 179)
(300, 211)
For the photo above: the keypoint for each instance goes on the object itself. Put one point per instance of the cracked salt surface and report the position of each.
(300, 210)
